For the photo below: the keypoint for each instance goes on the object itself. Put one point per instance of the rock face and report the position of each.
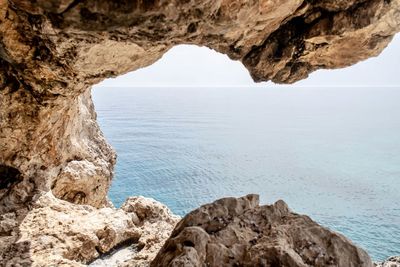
(53, 51)
(239, 232)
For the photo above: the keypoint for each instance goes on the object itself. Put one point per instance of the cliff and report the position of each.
(56, 166)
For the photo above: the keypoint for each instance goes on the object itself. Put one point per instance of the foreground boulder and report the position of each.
(59, 233)
(239, 232)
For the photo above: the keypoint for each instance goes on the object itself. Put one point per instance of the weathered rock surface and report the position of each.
(239, 232)
(59, 233)
(391, 262)
(53, 51)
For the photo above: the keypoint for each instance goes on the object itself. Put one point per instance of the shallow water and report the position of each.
(330, 153)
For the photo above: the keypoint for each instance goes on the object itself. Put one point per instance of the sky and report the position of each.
(189, 65)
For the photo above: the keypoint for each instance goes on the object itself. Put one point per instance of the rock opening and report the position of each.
(9, 176)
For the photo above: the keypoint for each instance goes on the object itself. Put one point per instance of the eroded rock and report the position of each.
(239, 232)
(52, 52)
(391, 262)
(59, 233)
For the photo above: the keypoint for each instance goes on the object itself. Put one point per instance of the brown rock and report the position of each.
(52, 52)
(239, 232)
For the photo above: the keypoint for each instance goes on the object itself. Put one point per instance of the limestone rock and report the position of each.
(148, 209)
(391, 262)
(59, 233)
(53, 51)
(239, 232)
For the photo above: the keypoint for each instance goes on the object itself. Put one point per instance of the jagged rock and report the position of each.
(59, 233)
(391, 262)
(239, 232)
(148, 210)
(52, 52)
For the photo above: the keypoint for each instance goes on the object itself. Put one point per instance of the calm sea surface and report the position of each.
(330, 153)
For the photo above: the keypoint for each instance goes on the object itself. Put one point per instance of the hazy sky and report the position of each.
(186, 65)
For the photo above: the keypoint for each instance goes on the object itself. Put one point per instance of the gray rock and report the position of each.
(239, 232)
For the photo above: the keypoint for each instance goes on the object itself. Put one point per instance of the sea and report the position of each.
(330, 153)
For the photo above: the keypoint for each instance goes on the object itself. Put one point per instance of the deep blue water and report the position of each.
(330, 153)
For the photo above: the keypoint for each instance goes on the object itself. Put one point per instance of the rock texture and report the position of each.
(53, 51)
(59, 233)
(391, 262)
(239, 232)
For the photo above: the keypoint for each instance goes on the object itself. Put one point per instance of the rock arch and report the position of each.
(52, 52)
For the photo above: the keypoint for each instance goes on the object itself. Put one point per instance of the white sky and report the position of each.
(186, 65)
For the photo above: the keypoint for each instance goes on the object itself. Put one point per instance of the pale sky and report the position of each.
(188, 65)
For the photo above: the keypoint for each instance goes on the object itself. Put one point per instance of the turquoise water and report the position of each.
(330, 153)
